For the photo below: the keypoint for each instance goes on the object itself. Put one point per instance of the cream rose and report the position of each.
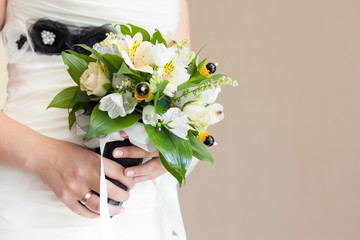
(93, 79)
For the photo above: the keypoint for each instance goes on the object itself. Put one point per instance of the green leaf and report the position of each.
(197, 80)
(77, 66)
(90, 49)
(80, 97)
(178, 177)
(176, 152)
(126, 71)
(201, 64)
(192, 68)
(107, 86)
(160, 89)
(101, 123)
(87, 58)
(144, 33)
(125, 30)
(158, 38)
(72, 117)
(64, 98)
(112, 62)
(199, 149)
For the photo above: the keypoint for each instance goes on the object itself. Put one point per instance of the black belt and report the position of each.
(52, 37)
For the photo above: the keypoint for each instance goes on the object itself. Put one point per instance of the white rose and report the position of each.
(204, 116)
(93, 79)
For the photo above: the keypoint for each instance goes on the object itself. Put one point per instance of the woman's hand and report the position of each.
(151, 169)
(71, 172)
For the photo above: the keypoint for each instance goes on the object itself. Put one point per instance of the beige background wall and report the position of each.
(287, 164)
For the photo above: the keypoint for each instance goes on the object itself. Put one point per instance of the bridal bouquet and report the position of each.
(136, 78)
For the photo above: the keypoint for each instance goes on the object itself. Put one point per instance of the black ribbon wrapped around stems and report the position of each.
(125, 162)
(82, 121)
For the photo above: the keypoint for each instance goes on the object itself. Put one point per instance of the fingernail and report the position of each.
(122, 210)
(130, 173)
(118, 153)
(123, 134)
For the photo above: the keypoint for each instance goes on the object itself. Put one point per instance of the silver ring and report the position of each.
(86, 197)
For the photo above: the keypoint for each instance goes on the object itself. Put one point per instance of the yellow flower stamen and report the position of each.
(203, 135)
(169, 67)
(133, 49)
(205, 72)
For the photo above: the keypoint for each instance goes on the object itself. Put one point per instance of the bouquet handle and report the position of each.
(125, 162)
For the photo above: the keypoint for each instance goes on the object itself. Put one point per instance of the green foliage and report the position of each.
(76, 66)
(199, 149)
(125, 30)
(157, 38)
(112, 62)
(80, 97)
(198, 79)
(87, 58)
(144, 33)
(126, 71)
(101, 123)
(72, 117)
(193, 66)
(64, 98)
(175, 152)
(90, 49)
(160, 89)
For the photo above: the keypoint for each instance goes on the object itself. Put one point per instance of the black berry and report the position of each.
(211, 67)
(142, 89)
(209, 141)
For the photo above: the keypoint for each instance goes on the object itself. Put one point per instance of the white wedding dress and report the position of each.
(29, 209)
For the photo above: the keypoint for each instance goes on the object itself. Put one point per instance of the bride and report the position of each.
(45, 173)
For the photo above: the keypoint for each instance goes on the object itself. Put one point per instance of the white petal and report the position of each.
(162, 55)
(149, 117)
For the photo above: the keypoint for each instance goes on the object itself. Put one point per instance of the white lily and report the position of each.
(138, 55)
(176, 121)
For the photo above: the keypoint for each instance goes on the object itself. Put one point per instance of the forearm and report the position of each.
(20, 146)
(2, 12)
(183, 29)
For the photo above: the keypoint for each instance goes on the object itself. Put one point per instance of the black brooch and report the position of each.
(52, 37)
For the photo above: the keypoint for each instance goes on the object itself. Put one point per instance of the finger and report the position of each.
(152, 166)
(116, 193)
(123, 134)
(93, 204)
(115, 171)
(133, 152)
(75, 205)
(149, 176)
(78, 208)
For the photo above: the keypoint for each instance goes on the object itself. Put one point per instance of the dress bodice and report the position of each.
(34, 79)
